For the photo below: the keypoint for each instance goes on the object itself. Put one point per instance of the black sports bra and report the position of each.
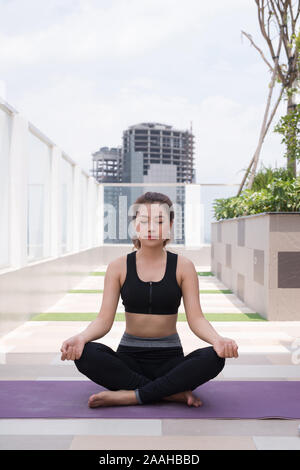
(153, 297)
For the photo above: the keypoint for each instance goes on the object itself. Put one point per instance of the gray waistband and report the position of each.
(168, 341)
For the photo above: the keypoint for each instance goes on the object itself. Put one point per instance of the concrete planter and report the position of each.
(258, 258)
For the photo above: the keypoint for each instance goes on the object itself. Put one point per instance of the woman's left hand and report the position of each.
(225, 347)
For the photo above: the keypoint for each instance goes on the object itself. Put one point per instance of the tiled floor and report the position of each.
(32, 352)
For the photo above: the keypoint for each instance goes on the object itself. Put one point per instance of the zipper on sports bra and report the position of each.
(150, 298)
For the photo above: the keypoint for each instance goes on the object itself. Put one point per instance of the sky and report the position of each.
(82, 71)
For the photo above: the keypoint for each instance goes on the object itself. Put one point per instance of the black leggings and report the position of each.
(155, 372)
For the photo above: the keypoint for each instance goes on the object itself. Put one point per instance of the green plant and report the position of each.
(289, 127)
(278, 196)
(268, 174)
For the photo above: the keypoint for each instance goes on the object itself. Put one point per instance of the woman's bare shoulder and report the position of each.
(186, 266)
(118, 263)
(119, 260)
(184, 261)
(116, 268)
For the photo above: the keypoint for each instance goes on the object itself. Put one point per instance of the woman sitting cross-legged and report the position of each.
(149, 364)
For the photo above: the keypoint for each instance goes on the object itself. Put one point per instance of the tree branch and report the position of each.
(259, 50)
(274, 110)
(283, 23)
(298, 11)
(261, 19)
(263, 127)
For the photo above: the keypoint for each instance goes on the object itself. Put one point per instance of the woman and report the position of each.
(149, 364)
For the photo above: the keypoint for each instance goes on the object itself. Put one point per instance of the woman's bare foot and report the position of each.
(186, 397)
(128, 397)
(111, 398)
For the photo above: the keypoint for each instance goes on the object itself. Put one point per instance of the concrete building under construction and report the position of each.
(158, 153)
(154, 152)
(107, 165)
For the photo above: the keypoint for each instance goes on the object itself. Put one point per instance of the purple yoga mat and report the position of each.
(221, 399)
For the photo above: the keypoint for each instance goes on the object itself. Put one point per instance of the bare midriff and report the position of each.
(150, 326)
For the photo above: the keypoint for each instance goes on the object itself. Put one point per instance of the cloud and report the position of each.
(228, 137)
(79, 118)
(88, 30)
(82, 71)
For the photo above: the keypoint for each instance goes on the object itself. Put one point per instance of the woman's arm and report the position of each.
(111, 294)
(199, 325)
(95, 330)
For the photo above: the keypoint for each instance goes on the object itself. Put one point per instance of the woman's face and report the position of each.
(152, 224)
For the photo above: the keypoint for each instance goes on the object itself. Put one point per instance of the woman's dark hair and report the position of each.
(152, 197)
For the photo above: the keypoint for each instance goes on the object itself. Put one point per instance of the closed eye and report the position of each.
(145, 222)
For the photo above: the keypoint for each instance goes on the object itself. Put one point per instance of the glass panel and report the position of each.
(83, 211)
(35, 221)
(38, 229)
(5, 136)
(192, 205)
(94, 211)
(208, 194)
(66, 205)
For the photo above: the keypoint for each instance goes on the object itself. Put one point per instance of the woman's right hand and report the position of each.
(72, 348)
